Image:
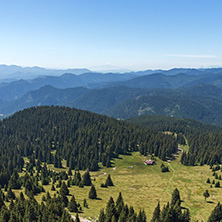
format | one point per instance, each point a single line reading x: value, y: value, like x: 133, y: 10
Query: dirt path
x: 172, y: 169
x: 102, y: 174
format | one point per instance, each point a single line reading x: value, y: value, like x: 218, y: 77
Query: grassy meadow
x: 143, y: 186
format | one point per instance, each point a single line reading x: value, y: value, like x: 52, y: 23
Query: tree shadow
x: 184, y: 208
x: 210, y: 202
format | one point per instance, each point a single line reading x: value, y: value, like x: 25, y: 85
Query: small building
x: 149, y: 162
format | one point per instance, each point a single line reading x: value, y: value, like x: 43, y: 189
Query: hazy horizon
x: 119, y: 35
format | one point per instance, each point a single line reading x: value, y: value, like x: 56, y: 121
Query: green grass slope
x: 143, y: 186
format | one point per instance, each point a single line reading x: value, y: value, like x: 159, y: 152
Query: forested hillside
x: 201, y: 102
x: 205, y: 143
x: 83, y: 139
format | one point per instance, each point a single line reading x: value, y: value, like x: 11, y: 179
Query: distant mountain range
x: 16, y: 89
x: 13, y: 72
x: 183, y: 93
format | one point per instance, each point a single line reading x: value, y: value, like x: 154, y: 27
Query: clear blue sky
x: 117, y: 34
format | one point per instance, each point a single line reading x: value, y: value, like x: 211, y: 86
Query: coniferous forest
x: 205, y: 141
x: 33, y: 138
x: 82, y: 138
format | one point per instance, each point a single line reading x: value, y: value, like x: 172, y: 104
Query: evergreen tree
x: 70, y: 172
x: 72, y: 206
x: 65, y: 217
x: 85, y: 204
x: 119, y: 203
x: 2, y: 203
x: 48, y: 197
x: 102, y: 216
x: 11, y: 205
x: 92, y: 192
x: 175, y: 197
x: 53, y: 188
x: 156, y: 214
x: 119, y: 200
x: 186, y: 216
x: 206, y: 194
x: 217, y: 184
x: 216, y: 214
x: 164, y: 168
x: 86, y: 179
x: 108, y: 163
x: 10, y: 194
x: 22, y: 198
x: 109, y: 181
x: 77, y: 218
x: 64, y: 191
x: 14, y: 180
x: 77, y: 178
x: 110, y: 210
x: 64, y: 200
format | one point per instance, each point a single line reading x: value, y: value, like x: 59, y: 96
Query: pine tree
x: 110, y: 210
x: 86, y: 179
x: 64, y: 200
x: 217, y: 184
x: 53, y: 188
x: 22, y: 198
x: 186, y: 216
x: 70, y: 172
x: 206, y: 194
x: 208, y: 180
x: 92, y: 192
x: 10, y: 194
x: 77, y: 218
x: 64, y: 189
x: 109, y: 181
x: 119, y: 204
x: 124, y: 214
x: 102, y: 216
x: 65, y: 216
x: 108, y: 163
x: 72, y: 206
x: 175, y: 197
x: 11, y: 205
x: 216, y: 214
x: 48, y: 197
x: 2, y: 203
x: 119, y: 200
x: 13, y: 182
x: 85, y: 204
x: 156, y: 214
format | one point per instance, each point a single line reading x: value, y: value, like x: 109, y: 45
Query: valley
x: 143, y: 186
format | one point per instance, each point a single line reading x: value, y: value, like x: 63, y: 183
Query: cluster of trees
x: 204, y: 148
x: 216, y: 214
x: 83, y: 139
x: 172, y: 211
x: 120, y: 211
x: 164, y: 168
x: 22, y: 210
x: 205, y: 141
x: 108, y: 183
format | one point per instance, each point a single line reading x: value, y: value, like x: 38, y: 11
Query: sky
x: 111, y: 35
